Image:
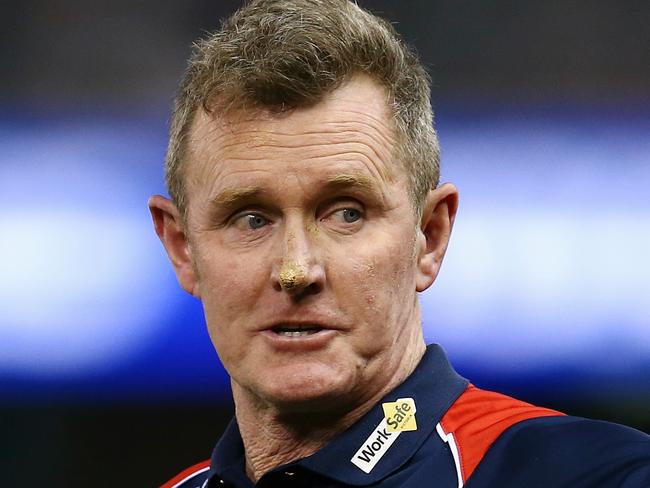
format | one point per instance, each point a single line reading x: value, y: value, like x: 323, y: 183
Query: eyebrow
x: 233, y: 197
x: 349, y: 179
x: 353, y: 181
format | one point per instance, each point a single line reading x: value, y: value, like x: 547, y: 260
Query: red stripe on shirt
x: 186, y: 474
x: 478, y: 417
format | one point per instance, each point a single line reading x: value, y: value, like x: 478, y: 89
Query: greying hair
x: 276, y: 55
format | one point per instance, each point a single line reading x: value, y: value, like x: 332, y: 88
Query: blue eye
x: 351, y: 215
x: 256, y: 221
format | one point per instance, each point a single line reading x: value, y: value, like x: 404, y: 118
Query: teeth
x: 296, y: 333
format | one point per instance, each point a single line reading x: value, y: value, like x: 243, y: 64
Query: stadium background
x: 107, y: 376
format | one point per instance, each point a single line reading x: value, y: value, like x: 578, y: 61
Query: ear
x: 437, y: 221
x: 171, y: 231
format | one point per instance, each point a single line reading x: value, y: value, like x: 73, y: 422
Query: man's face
x: 305, y: 248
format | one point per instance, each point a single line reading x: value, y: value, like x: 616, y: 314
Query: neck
x: 271, y: 439
x: 276, y: 435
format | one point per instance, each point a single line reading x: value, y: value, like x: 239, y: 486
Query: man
x: 306, y: 215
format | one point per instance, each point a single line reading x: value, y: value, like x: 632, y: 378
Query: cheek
x: 379, y: 280
x: 365, y: 275
x: 229, y: 286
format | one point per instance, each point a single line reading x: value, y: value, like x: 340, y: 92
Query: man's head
x: 277, y: 55
x: 299, y: 220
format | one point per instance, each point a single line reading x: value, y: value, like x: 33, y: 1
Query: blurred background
x: 107, y: 374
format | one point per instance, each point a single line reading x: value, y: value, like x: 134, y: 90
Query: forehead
x: 351, y: 131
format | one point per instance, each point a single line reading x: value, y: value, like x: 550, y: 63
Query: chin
x: 306, y: 390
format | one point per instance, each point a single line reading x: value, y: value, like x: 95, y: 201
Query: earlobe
x: 437, y: 221
x: 170, y: 229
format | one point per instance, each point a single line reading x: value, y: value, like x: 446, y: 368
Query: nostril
x: 312, y: 289
x: 302, y: 293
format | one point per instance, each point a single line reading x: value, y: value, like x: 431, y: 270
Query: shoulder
x: 549, y: 450
x: 501, y: 441
x: 192, y: 477
x: 477, y: 419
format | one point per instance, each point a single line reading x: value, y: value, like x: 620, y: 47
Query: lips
x: 299, y: 336
x: 297, y: 330
x: 305, y: 328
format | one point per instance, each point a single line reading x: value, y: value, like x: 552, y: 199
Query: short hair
x: 276, y: 55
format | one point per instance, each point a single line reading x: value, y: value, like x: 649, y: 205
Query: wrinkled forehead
x: 354, y: 119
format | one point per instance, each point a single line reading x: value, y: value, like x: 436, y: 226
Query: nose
x: 299, y: 271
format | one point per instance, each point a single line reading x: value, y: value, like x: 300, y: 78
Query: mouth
x: 297, y: 330
x: 299, y: 337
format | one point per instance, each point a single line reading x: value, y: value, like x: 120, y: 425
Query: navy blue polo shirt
x: 464, y: 436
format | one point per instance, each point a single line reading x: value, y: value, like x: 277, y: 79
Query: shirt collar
x: 433, y: 386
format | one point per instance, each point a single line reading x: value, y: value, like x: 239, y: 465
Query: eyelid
x: 236, y: 216
x: 342, y: 204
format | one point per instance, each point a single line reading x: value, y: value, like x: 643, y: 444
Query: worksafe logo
x: 399, y: 417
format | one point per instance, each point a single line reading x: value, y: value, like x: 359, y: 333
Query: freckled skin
x: 312, y: 223
x: 367, y: 272
x: 315, y: 200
